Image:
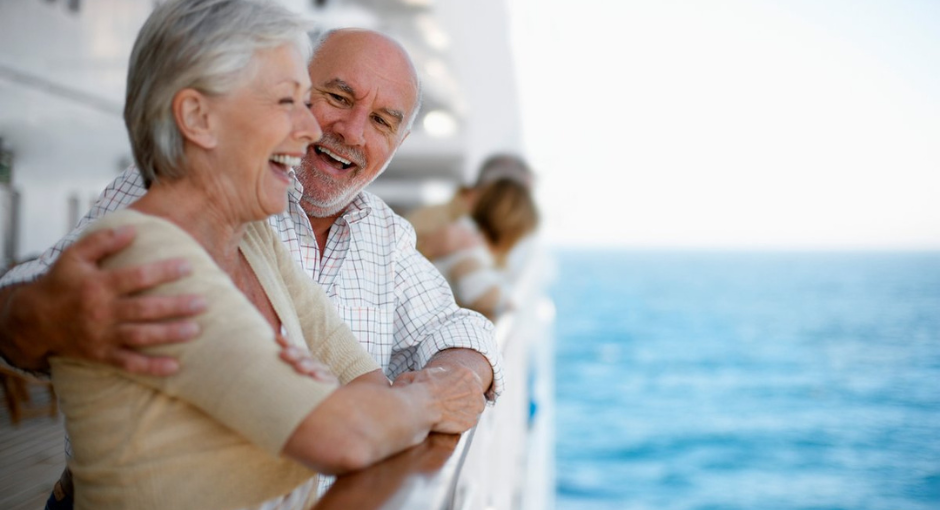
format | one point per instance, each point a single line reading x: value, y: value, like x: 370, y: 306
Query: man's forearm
x: 467, y: 358
x: 16, y: 346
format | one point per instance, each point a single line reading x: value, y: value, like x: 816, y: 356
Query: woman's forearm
x: 362, y: 423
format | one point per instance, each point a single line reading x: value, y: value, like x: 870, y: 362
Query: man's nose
x: 352, y: 125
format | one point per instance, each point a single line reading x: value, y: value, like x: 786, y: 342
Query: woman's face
x: 264, y: 126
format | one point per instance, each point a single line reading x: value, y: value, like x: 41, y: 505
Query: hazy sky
x: 755, y: 124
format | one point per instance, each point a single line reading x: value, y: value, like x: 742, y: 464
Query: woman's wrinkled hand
x: 457, y: 394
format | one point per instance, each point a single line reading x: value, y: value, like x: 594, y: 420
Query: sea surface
x: 760, y: 381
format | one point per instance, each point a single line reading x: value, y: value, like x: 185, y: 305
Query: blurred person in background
x: 503, y: 213
x: 365, y: 97
x: 444, y: 230
x: 439, y: 233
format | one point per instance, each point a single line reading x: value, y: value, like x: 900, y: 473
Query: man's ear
x: 191, y: 112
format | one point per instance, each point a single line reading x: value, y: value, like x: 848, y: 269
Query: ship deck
x: 32, y: 455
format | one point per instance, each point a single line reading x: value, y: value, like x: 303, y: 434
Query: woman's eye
x: 286, y: 100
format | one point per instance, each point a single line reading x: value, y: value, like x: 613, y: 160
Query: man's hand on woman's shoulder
x: 81, y: 310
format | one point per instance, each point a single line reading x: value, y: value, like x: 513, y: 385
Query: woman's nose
x: 306, y: 125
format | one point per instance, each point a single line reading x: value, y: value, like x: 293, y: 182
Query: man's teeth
x: 284, y: 159
x: 334, y: 156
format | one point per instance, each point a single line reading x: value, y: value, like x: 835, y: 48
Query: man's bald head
x: 356, y: 42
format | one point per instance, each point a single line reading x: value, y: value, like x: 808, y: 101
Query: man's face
x: 364, y: 91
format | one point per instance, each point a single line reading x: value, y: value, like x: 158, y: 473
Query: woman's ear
x: 191, y: 113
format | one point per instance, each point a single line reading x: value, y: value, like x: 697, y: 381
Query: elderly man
x: 365, y: 97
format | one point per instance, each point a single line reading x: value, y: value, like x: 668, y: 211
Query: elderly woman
x: 217, y: 114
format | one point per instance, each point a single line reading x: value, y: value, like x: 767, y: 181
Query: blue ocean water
x: 725, y: 381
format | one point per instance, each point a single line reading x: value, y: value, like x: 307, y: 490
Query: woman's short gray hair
x: 200, y: 44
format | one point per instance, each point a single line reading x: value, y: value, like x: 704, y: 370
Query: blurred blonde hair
x: 505, y: 212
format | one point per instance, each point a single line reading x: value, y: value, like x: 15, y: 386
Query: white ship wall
x: 62, y: 74
x: 61, y: 87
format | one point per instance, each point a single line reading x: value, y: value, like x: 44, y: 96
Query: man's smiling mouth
x: 340, y: 161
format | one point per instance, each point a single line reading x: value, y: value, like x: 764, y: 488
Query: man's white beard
x: 322, y: 207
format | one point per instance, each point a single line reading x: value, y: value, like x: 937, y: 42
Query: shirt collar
x: 358, y: 210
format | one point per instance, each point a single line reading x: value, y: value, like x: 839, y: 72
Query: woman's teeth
x: 286, y: 160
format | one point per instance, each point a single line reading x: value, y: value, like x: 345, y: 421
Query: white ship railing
x: 506, y: 461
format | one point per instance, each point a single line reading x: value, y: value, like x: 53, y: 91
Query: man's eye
x: 338, y: 98
x: 286, y: 100
x: 381, y: 121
